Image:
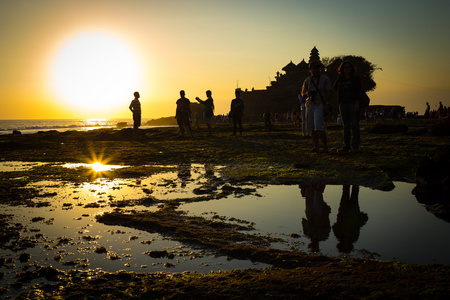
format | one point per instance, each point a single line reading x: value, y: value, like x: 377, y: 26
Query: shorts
x: 314, y: 118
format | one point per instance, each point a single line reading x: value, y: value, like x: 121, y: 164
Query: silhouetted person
x: 316, y: 225
x: 267, y: 121
x: 183, y: 114
x: 184, y: 173
x: 348, y: 87
x: 135, y: 107
x: 317, y: 89
x: 349, y: 219
x: 305, y: 131
x: 208, y: 113
x: 440, y: 111
x: 237, y: 111
x: 296, y: 118
x: 427, y: 111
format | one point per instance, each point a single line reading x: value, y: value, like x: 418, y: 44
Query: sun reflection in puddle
x: 96, y: 166
x: 69, y: 233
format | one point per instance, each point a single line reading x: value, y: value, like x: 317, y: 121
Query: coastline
x: 31, y: 126
x: 279, y: 157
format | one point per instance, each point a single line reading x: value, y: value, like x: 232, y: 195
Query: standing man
x: 135, y: 108
x: 237, y: 111
x: 317, y: 88
x: 427, y: 111
x: 183, y: 114
x: 208, y: 113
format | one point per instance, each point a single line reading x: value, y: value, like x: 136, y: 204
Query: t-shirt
x: 183, y: 105
x: 324, y: 85
x: 349, y: 90
x: 135, y: 106
x: 237, y: 107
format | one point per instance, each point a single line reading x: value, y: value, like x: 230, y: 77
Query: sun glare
x: 99, y: 167
x: 95, y: 72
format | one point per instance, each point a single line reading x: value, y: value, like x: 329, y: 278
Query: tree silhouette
x: 364, y: 70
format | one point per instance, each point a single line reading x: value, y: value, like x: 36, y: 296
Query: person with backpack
x: 348, y: 86
x: 317, y: 90
x: 237, y: 111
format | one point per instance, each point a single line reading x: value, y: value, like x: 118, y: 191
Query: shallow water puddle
x: 333, y: 220
x: 62, y: 231
x: 341, y: 220
x: 12, y: 166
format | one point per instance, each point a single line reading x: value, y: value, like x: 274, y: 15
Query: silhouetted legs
x: 237, y: 121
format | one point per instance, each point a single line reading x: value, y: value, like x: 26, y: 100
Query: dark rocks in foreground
x: 433, y: 182
x: 442, y: 128
x: 389, y: 128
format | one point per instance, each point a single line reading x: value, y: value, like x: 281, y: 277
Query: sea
x: 33, y: 126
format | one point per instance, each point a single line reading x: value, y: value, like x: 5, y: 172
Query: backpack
x: 364, y: 100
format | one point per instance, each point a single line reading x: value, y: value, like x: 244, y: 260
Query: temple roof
x: 302, y: 65
x: 290, y: 67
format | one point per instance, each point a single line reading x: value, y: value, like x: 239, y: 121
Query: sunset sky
x: 85, y: 58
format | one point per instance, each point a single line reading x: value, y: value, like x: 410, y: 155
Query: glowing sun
x: 95, y: 72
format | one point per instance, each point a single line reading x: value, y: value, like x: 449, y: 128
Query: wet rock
x: 101, y: 249
x: 389, y: 128
x: 159, y: 254
x: 24, y: 257
x: 442, y: 128
x: 49, y: 273
x: 433, y: 181
x: 15, y: 132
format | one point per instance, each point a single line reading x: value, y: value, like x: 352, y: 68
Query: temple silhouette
x: 281, y: 95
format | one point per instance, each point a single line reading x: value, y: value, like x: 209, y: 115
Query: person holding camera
x: 317, y: 90
x: 209, y: 110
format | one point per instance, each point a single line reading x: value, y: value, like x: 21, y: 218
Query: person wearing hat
x: 317, y: 90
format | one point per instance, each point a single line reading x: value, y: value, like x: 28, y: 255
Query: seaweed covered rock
x: 433, y: 181
x: 389, y: 128
x: 441, y: 128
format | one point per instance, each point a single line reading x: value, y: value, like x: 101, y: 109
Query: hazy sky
x: 85, y: 58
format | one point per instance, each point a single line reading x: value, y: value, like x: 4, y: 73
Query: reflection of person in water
x: 316, y: 225
x: 209, y: 171
x: 349, y: 219
x: 184, y: 173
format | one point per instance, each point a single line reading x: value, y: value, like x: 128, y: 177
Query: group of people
x: 183, y: 112
x: 316, y: 92
x: 440, y: 113
x: 314, y: 97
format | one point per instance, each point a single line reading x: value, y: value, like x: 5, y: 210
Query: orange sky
x: 160, y: 47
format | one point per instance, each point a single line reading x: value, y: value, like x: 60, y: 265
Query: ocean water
x: 33, y: 126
